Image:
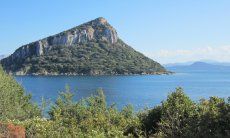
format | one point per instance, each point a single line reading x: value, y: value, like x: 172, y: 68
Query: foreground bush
x: 14, y: 104
x: 179, y: 116
x: 214, y: 118
x: 88, y: 117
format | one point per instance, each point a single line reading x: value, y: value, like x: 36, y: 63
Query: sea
x: 141, y: 91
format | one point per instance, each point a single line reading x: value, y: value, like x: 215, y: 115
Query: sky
x: 167, y: 31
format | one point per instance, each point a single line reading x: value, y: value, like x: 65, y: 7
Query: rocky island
x: 92, y: 48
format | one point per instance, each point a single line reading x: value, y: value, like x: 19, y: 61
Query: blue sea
x: 139, y: 90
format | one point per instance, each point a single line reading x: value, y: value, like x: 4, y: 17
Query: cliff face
x: 96, y: 30
x: 91, y: 48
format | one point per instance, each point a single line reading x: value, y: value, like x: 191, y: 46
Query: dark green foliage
x: 149, y: 120
x: 178, y: 113
x: 178, y: 116
x: 14, y: 104
x: 214, y: 118
x: 93, y: 58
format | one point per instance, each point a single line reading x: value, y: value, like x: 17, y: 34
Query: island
x: 92, y: 48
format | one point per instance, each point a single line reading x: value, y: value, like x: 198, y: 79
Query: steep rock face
x: 96, y: 30
x: 92, y: 48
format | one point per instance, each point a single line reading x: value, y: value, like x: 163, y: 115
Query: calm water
x: 141, y: 91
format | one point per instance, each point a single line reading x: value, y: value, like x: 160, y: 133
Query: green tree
x: 178, y: 116
x: 150, y: 119
x: 214, y: 118
x: 14, y: 104
x: 93, y: 115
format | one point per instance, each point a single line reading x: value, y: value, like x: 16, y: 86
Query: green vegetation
x: 86, y: 118
x: 93, y: 58
x: 177, y: 116
x: 14, y: 104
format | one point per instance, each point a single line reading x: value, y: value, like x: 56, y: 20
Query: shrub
x: 88, y: 117
x: 178, y: 116
x: 178, y: 113
x: 14, y: 103
x: 214, y: 118
x: 150, y: 119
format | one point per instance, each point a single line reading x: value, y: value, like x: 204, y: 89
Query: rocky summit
x: 92, y: 48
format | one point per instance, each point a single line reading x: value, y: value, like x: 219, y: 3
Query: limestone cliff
x: 96, y: 30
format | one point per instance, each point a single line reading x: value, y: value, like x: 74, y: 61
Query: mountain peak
x: 100, y: 20
x: 96, y: 30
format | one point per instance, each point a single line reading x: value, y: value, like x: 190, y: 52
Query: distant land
x: 212, y: 62
x: 198, y: 66
x: 92, y: 48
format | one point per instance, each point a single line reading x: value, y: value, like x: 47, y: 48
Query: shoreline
x: 53, y: 74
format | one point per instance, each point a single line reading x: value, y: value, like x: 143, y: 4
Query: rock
x: 80, y: 34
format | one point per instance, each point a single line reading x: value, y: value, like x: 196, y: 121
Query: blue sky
x: 165, y: 30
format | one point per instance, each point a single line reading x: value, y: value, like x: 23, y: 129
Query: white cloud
x: 221, y: 54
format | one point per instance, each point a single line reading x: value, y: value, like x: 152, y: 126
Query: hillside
x: 92, y: 48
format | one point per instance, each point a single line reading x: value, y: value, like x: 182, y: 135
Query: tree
x: 178, y: 116
x: 214, y: 118
x: 150, y: 119
x: 93, y: 115
x: 14, y: 103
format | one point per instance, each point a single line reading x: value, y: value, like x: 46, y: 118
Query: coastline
x: 73, y: 74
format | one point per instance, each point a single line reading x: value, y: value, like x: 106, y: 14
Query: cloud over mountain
x: 221, y: 53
